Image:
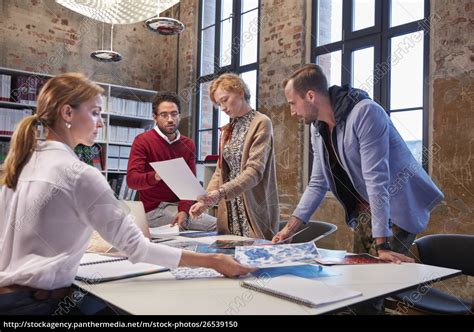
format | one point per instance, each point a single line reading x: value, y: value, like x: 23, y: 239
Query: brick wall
x: 43, y: 36
x: 170, y: 61
x: 282, y: 45
x: 451, y: 83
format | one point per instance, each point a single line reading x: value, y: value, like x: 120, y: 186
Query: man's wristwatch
x: 384, y: 246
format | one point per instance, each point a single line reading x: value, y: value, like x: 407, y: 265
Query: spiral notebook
x: 95, y: 268
x: 310, y: 292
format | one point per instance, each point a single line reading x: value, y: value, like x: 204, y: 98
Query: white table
x: 161, y: 294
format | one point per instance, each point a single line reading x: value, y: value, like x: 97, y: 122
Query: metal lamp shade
x: 164, y: 25
x: 106, y: 56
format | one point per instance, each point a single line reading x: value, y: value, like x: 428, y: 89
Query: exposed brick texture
x: 43, y: 36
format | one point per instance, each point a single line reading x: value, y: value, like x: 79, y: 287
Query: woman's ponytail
x: 22, y: 145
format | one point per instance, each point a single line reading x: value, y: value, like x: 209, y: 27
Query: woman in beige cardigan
x: 244, y: 184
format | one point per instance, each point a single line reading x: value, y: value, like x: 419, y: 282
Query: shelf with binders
x: 9, y: 118
x: 126, y: 113
x: 118, y: 183
x: 117, y: 158
x: 131, y: 104
x: 129, y: 115
x: 19, y: 88
x: 15, y: 105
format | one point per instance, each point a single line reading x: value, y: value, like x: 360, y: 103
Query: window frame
x: 234, y: 66
x: 379, y: 35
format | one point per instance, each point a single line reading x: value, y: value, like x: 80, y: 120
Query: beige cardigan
x: 256, y: 182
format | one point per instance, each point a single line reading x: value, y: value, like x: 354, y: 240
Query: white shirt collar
x: 54, y: 145
x: 178, y: 135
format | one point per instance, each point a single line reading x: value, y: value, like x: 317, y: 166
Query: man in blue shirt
x: 359, y: 155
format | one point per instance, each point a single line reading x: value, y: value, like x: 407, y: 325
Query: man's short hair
x: 308, y: 77
x: 170, y: 97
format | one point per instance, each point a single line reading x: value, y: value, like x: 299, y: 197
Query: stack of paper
x: 165, y: 230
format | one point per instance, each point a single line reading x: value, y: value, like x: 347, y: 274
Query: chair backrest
x: 448, y: 250
x: 138, y: 211
x: 317, y: 230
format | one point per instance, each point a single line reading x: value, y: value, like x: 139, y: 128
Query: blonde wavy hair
x: 230, y: 82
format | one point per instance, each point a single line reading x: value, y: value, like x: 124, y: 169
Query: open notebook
x: 309, y: 292
x: 95, y: 268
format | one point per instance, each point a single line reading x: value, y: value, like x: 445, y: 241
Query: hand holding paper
x: 157, y: 177
x: 197, y: 209
x: 211, y: 198
x: 179, y: 178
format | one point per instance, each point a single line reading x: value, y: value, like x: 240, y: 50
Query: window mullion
x: 346, y: 54
x: 346, y: 19
x: 215, y: 130
x: 426, y: 65
x: 217, y: 39
x: 386, y: 49
x: 235, y: 56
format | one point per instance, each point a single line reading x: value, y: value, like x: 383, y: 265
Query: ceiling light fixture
x: 118, y: 11
x: 164, y: 25
x: 107, y: 55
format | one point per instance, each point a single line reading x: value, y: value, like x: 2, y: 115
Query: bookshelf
x: 127, y: 112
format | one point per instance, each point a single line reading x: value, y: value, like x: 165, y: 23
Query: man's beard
x: 169, y: 131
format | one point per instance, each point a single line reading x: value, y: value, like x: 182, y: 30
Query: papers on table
x: 231, y: 244
x: 179, y: 178
x: 277, y: 255
x: 165, y: 230
x: 185, y: 245
x: 193, y: 234
x: 182, y: 273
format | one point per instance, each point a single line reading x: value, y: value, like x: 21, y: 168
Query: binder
x: 309, y: 292
x: 95, y: 268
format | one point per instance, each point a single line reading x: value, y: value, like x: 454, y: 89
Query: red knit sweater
x: 150, y: 147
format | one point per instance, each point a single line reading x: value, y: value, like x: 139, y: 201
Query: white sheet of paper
x: 179, y: 178
x: 165, y: 230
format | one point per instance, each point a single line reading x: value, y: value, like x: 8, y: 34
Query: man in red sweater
x: 163, y: 142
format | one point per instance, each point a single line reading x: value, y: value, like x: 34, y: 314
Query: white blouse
x: 46, y: 223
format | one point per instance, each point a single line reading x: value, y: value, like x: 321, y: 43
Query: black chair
x: 445, y: 250
x: 317, y: 230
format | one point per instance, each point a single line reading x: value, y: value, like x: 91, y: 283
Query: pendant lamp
x: 107, y: 55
